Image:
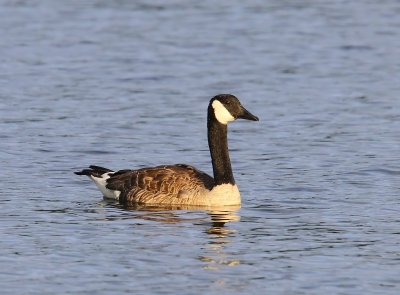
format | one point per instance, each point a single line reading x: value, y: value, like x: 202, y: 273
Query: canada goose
x: 182, y: 184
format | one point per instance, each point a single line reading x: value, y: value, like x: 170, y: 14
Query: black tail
x: 93, y: 170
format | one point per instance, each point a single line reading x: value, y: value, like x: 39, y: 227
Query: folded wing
x: 171, y: 184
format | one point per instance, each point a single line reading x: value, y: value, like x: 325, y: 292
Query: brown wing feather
x: 161, y: 184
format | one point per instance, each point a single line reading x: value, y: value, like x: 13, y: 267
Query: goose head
x: 227, y: 108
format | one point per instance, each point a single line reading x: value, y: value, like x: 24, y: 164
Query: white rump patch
x: 101, y: 183
x: 221, y: 113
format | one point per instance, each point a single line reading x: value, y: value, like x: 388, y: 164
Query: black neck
x: 218, y: 143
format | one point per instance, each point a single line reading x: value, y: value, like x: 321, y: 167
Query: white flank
x: 101, y: 183
x: 221, y: 113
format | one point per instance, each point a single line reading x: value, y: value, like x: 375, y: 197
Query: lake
x: 126, y: 84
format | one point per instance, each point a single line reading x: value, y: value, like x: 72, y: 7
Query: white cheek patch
x: 221, y: 113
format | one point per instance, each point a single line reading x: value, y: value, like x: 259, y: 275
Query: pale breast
x: 224, y: 195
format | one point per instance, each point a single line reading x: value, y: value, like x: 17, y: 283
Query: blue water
x: 125, y: 84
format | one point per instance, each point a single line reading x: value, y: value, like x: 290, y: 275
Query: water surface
x: 126, y: 84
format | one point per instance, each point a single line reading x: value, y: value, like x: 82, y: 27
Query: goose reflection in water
x: 214, y: 255
x: 174, y: 214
